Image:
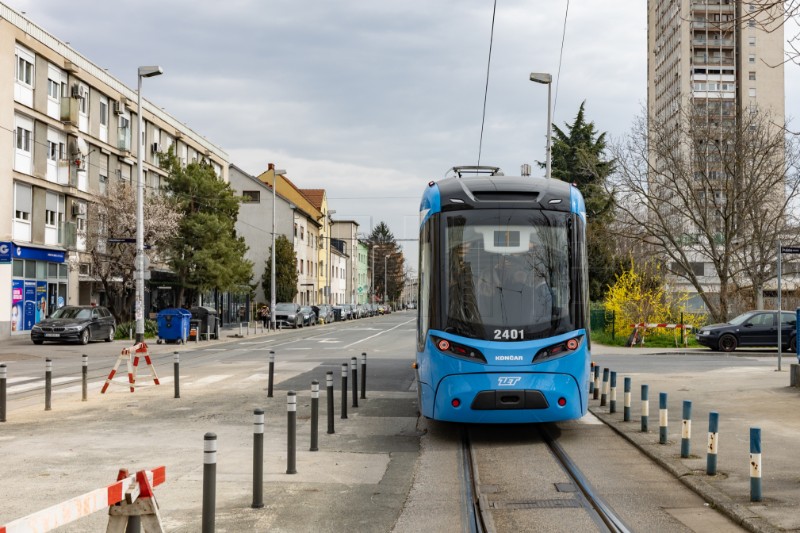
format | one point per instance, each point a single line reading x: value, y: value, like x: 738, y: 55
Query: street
x: 383, y: 469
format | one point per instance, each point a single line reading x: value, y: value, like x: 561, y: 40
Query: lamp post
x: 143, y: 72
x: 385, y: 279
x: 330, y: 257
x: 294, y: 240
x: 275, y: 173
x: 546, y: 79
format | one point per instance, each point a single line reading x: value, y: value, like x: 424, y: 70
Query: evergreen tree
x: 577, y: 157
x: 388, y: 263
x: 206, y: 254
x: 285, y: 272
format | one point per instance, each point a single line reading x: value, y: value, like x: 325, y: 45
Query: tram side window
x: 426, y: 273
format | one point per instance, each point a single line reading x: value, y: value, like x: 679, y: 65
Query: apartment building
x: 254, y: 223
x: 363, y: 288
x: 307, y: 222
x: 69, y: 128
x: 345, y: 233
x: 721, y: 59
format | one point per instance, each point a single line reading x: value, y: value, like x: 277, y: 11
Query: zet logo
x: 508, y: 381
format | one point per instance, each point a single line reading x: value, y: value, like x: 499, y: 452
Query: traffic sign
x: 127, y: 240
x: 790, y: 249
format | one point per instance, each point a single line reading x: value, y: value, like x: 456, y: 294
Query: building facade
x: 711, y: 61
x: 69, y: 128
x: 346, y: 231
x: 254, y: 223
x: 362, y: 274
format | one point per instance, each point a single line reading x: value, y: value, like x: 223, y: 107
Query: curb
x: 736, y: 512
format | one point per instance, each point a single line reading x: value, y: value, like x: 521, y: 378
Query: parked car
x: 288, y: 315
x: 339, y: 313
x: 76, y: 323
x: 309, y: 317
x: 753, y: 328
x: 324, y: 313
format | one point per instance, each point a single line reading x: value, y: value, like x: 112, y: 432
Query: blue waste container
x: 173, y: 325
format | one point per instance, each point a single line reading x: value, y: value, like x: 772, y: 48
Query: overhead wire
x: 486, y: 88
x: 560, y: 58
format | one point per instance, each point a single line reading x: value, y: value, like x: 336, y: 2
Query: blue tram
x: 502, y: 323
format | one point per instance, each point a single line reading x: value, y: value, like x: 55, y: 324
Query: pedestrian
x: 263, y: 313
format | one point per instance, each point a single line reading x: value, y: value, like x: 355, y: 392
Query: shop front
x: 39, y: 284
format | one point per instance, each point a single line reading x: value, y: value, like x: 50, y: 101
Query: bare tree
x: 113, y: 216
x: 702, y: 189
x: 771, y: 15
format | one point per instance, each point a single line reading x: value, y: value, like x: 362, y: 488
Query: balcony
x: 712, y: 43
x: 712, y: 61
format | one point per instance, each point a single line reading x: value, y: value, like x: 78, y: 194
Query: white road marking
x: 208, y: 380
x: 379, y: 333
x: 40, y: 384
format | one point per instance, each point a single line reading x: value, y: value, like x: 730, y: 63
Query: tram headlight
x: 558, y: 350
x: 458, y: 350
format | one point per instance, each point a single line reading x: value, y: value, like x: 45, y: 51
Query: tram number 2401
x: 509, y: 334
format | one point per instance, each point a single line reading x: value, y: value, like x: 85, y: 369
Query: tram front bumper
x: 509, y: 398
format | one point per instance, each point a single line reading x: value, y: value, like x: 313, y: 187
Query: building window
x: 23, y: 139
x: 251, y: 197
x: 751, y: 23
x: 751, y: 41
x: 751, y: 58
x: 103, y: 184
x: 23, y: 155
x: 104, y: 112
x: 24, y: 67
x: 53, y: 89
x: 751, y: 76
x: 752, y: 92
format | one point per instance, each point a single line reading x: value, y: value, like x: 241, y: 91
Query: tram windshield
x: 508, y: 274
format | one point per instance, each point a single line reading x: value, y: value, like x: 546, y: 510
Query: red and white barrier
x: 133, y: 366
x: 650, y: 325
x: 133, y: 487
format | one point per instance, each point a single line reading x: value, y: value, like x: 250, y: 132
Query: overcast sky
x: 371, y: 99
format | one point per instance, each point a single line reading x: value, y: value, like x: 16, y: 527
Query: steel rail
x: 595, y: 504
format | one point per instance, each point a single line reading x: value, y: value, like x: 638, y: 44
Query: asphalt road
x: 383, y: 469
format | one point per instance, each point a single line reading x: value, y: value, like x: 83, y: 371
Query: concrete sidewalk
x: 751, y: 393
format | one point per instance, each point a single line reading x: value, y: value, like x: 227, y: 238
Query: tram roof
x: 505, y: 191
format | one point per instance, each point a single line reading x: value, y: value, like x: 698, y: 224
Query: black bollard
x: 176, y: 370
x: 596, y: 382
x: 291, y: 437
x: 258, y: 459
x: 314, y: 415
x: 48, y: 384
x: 209, y: 482
x: 271, y: 373
x: 84, y: 377
x: 354, y: 372
x: 363, y: 375
x: 344, y: 390
x: 329, y: 384
x: 3, y: 380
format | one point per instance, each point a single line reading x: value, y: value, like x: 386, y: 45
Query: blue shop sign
x: 5, y: 252
x: 39, y: 254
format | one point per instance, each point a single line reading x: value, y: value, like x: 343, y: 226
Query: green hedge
x: 124, y: 329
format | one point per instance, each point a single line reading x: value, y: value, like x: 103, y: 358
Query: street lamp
x: 330, y: 257
x: 547, y: 79
x: 144, y: 72
x: 385, y: 279
x: 275, y: 174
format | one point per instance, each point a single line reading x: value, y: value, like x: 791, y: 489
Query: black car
x: 76, y: 323
x: 754, y: 328
x: 288, y: 315
x: 309, y: 317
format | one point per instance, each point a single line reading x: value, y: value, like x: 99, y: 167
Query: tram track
x: 478, y: 508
